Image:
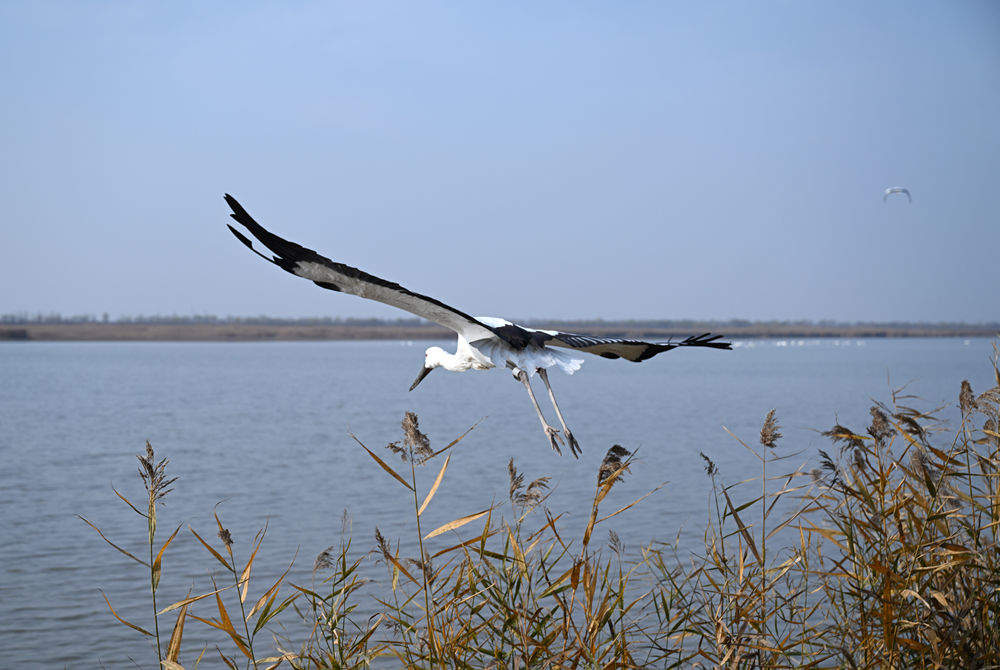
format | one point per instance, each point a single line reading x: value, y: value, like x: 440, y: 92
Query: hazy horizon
x: 404, y: 320
x: 564, y: 160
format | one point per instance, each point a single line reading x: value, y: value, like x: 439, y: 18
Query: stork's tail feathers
x: 704, y: 340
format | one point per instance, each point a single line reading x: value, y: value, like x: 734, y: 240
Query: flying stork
x: 896, y: 189
x: 483, y: 342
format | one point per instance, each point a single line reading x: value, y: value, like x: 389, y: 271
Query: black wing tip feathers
x: 703, y: 340
x: 241, y: 237
x: 706, y: 340
x: 241, y: 217
x: 234, y: 205
x: 239, y: 214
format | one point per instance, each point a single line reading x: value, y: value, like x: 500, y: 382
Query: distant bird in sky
x: 896, y: 189
x: 484, y: 342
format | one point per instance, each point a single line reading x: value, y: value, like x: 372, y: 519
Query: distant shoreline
x: 290, y: 332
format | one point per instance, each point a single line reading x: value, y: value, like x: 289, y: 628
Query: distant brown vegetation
x: 886, y: 554
x: 257, y: 330
x: 221, y: 332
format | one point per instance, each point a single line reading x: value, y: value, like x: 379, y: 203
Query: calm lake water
x: 263, y: 427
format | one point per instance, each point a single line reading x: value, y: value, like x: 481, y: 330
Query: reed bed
x: 883, y: 553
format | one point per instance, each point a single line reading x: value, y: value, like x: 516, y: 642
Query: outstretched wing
x: 334, y: 276
x: 632, y: 350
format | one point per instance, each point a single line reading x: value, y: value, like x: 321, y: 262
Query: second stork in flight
x: 483, y: 342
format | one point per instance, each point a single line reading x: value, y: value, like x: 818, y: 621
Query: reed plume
x: 966, y: 398
x: 613, y: 467
x: 770, y: 432
x: 529, y: 496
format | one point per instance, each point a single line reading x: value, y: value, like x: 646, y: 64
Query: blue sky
x: 646, y: 160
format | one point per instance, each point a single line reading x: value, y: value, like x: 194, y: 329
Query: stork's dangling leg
x: 550, y: 432
x: 574, y: 446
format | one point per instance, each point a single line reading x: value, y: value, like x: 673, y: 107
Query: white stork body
x: 530, y: 358
x: 483, y: 342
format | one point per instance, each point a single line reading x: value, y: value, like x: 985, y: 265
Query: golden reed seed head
x: 525, y: 496
x: 383, y: 545
x: 398, y: 450
x: 534, y: 493
x: 880, y: 428
x: 516, y: 480
x: 153, y: 474
x: 770, y: 432
x: 413, y: 440
x: 844, y: 436
x: 613, y: 464
x: 711, y: 469
x: 615, y: 543
x: 966, y: 398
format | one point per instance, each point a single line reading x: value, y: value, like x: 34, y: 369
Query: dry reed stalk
x: 154, y: 478
x: 157, y: 486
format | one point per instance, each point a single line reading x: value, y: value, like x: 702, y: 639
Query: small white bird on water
x: 484, y: 342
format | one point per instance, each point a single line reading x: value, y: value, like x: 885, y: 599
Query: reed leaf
x: 174, y: 646
x: 231, y: 664
x: 129, y: 503
x: 385, y: 466
x: 245, y: 575
x: 457, y: 439
x: 457, y: 523
x: 157, y: 563
x: 226, y: 625
x: 434, y: 487
x: 192, y: 599
x: 104, y: 537
x: 127, y: 623
x: 212, y: 551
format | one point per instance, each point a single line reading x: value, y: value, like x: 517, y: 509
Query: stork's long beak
x: 423, y: 373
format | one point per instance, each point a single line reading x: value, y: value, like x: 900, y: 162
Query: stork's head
x: 433, y: 358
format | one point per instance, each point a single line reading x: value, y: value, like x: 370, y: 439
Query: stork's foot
x: 554, y: 439
x: 574, y: 446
